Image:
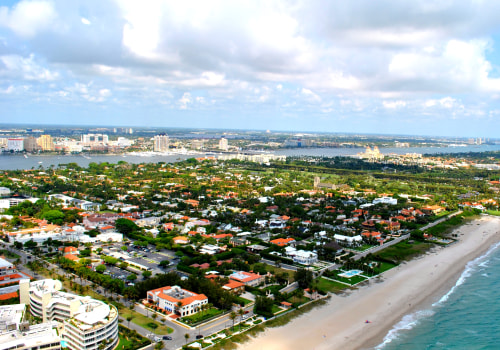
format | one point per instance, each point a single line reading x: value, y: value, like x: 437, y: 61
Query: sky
x: 419, y: 67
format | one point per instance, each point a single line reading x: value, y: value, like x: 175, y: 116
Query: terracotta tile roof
x: 8, y: 296
x: 282, y: 241
x: 233, y: 284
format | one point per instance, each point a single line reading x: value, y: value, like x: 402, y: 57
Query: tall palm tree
x: 241, y: 313
x: 186, y: 336
x: 129, y: 318
x: 232, y: 316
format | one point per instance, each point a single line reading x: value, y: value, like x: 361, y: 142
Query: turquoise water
x: 350, y: 273
x: 467, y: 317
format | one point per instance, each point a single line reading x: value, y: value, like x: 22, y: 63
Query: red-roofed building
x: 247, y: 278
x: 69, y: 250
x: 234, y: 287
x: 372, y: 234
x: 282, y: 241
x: 71, y: 257
x: 9, y: 295
x: 175, y: 299
x: 286, y: 304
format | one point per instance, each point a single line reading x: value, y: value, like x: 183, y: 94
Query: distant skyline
x: 361, y: 66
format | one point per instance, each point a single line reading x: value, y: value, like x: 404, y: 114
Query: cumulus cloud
x: 27, y: 18
x: 333, y: 57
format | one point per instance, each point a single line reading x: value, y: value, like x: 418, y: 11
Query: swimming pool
x: 350, y: 273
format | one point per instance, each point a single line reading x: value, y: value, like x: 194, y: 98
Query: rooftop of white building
x: 90, y: 311
x: 32, y: 337
x: 11, y: 315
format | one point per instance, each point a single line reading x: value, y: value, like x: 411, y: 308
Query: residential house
x: 247, y: 278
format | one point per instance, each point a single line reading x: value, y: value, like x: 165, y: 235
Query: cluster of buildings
x: 68, y: 320
x: 46, y: 143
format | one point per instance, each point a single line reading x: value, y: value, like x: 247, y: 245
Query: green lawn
x: 243, y: 301
x: 403, y: 251
x: 299, y: 300
x: 331, y: 286
x: 130, y: 339
x: 8, y: 254
x: 200, y: 316
x: 276, y: 309
x: 384, y: 266
x: 363, y: 247
x: 493, y: 212
x: 352, y: 281
x: 123, y: 343
x: 146, y: 322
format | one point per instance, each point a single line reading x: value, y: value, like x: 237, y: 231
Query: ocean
x: 467, y: 317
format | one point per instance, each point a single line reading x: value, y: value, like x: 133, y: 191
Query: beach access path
x: 415, y: 285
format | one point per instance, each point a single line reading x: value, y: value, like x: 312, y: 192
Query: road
x: 396, y: 240
x: 208, y: 328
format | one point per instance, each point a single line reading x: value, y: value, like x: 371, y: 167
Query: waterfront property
x: 302, y: 256
x: 350, y: 273
x: 87, y: 324
x: 175, y: 299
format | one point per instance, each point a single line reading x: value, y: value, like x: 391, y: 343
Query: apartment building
x: 87, y: 324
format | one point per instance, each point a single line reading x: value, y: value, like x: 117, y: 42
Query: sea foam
x: 411, y: 320
x: 407, y: 322
x: 469, y: 268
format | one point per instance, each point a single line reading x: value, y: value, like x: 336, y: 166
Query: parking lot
x: 139, y: 260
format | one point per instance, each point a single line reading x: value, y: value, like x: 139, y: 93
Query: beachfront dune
x: 415, y: 285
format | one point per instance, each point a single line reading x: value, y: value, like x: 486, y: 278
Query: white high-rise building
x: 161, y: 143
x: 223, y: 144
x: 95, y: 139
x: 15, y: 145
x: 87, y: 324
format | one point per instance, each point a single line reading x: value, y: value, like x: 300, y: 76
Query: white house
x: 385, y: 200
x: 348, y: 240
x: 301, y: 256
x: 178, y: 300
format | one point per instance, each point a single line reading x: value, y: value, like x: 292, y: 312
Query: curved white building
x: 87, y: 322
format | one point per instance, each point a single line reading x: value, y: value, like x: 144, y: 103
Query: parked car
x: 167, y: 337
x: 199, y: 336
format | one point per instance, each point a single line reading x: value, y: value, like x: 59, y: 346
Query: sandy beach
x: 412, y: 286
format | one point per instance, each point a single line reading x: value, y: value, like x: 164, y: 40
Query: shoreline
x: 410, y: 287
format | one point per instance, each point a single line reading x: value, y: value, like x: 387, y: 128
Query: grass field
x: 243, y: 300
x: 276, y: 309
x: 145, y: 322
x: 200, y: 316
x: 403, y: 251
x: 493, y: 212
x: 331, y: 286
x: 352, y: 281
x: 9, y: 254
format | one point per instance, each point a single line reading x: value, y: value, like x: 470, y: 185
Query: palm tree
x: 186, y: 336
x: 241, y: 313
x: 129, y: 318
x: 232, y: 316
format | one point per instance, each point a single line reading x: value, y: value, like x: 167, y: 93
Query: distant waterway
x: 339, y: 152
x: 15, y: 162
x: 19, y: 162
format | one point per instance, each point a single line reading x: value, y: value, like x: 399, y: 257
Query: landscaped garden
x: 147, y: 322
x: 327, y: 285
x: 201, y: 316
